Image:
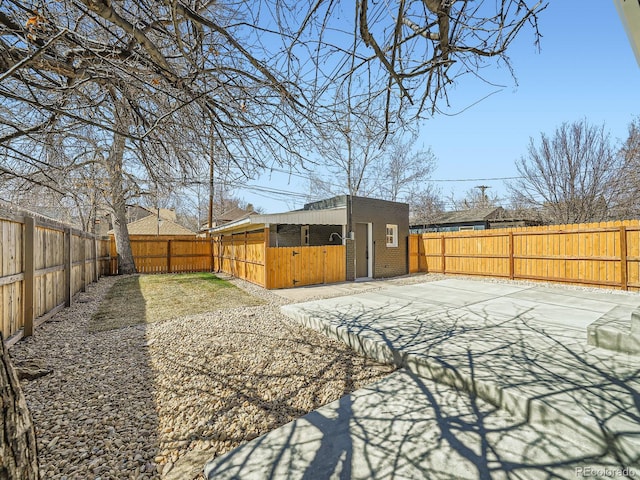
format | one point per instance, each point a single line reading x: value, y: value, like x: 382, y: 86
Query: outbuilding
x: 338, y: 239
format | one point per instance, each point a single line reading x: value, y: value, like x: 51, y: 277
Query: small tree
x: 406, y: 171
x: 476, y: 197
x: 573, y: 176
x: 425, y: 206
x: 629, y: 154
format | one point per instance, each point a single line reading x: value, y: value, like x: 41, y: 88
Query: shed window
x: 465, y: 229
x: 392, y: 235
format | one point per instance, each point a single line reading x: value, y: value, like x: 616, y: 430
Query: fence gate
x: 298, y: 266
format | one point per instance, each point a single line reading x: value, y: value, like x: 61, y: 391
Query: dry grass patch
x: 140, y: 299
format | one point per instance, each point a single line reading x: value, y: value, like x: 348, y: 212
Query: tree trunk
x: 18, y: 452
x: 114, y: 168
x: 126, y: 264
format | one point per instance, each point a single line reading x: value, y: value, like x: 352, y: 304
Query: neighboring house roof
x: 136, y: 212
x: 469, y: 216
x: 233, y: 214
x: 149, y: 225
x: 492, y: 217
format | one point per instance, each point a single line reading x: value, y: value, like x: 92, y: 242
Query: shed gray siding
x: 387, y: 261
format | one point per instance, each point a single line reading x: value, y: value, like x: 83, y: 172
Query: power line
x: 473, y: 179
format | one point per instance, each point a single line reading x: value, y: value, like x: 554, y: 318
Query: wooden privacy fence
x: 603, y: 254
x: 242, y: 255
x: 167, y: 254
x: 247, y: 256
x: 43, y: 265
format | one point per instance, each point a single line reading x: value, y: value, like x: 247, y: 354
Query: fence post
x: 245, y: 256
x: 113, y: 256
x: 267, y: 280
x: 168, y: 256
x: 623, y: 258
x: 211, y: 260
x: 29, y: 274
x: 83, y: 255
x: 511, y: 260
x: 444, y: 256
x: 68, y: 267
x: 233, y: 256
x: 96, y: 273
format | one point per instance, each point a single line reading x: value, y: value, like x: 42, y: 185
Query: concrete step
x: 635, y: 322
x: 618, y: 332
x: 613, y: 338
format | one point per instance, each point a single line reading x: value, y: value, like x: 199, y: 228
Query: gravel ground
x: 135, y: 402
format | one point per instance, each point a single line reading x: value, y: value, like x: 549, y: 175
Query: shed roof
x: 331, y: 216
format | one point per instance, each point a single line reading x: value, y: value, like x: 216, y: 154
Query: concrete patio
x: 497, y: 380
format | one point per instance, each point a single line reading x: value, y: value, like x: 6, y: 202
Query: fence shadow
x: 95, y: 415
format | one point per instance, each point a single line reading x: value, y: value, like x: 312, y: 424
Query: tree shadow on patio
x: 531, y: 400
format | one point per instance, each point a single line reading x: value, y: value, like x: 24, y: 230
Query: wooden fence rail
x: 43, y: 265
x: 601, y: 254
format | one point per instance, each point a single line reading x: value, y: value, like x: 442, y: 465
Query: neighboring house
x: 374, y: 232
x: 152, y: 225
x: 232, y: 215
x: 103, y: 225
x: 472, y: 219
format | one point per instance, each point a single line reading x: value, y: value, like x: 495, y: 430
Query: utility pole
x: 483, y: 196
x: 157, y: 211
x: 211, y: 155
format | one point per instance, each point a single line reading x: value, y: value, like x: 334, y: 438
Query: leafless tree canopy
x: 247, y: 65
x: 128, y: 94
x: 629, y: 179
x: 479, y: 196
x: 410, y: 53
x: 75, y: 61
x: 574, y: 176
x: 139, y: 88
x: 358, y: 164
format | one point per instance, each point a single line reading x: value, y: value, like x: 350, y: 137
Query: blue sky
x: 586, y: 69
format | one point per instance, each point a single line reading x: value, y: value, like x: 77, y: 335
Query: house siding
x: 350, y: 258
x: 387, y: 261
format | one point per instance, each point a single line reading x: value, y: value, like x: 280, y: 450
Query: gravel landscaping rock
x: 142, y: 402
